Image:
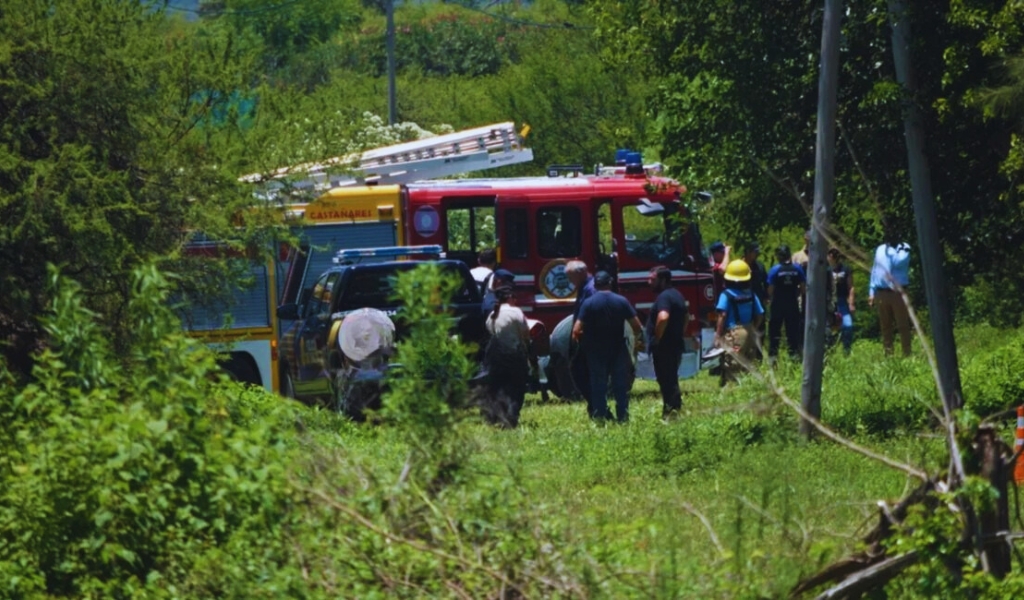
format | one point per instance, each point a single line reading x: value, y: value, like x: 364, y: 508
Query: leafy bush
x: 116, y: 470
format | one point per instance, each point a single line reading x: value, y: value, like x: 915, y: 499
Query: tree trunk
x: 824, y: 191
x: 939, y: 313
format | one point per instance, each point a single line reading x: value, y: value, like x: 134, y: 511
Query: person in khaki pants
x: 739, y: 316
x: 890, y: 274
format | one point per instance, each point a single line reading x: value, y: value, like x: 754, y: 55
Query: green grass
x: 628, y: 495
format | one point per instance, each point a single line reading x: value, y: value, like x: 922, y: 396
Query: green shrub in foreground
x: 116, y: 470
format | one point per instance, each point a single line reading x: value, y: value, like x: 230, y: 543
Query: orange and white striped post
x: 1018, y: 444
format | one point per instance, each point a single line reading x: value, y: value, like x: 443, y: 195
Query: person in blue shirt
x: 600, y: 329
x: 740, y: 313
x: 786, y: 283
x: 890, y: 275
x: 576, y: 272
x: 844, y: 292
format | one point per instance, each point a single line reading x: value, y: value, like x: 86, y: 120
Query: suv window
x: 558, y: 232
x: 375, y: 287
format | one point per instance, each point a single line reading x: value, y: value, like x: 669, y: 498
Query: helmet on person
x: 737, y: 270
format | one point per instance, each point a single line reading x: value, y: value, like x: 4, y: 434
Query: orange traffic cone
x: 1018, y: 444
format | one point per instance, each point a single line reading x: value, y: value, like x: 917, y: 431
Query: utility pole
x: 390, y: 43
x: 824, y: 193
x: 927, y: 223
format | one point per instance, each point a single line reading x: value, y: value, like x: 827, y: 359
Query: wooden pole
x: 939, y: 313
x: 824, y: 193
x: 390, y: 44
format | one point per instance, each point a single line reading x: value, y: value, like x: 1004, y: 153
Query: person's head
x: 737, y: 274
x: 502, y: 295
x: 717, y: 251
x: 502, y: 277
x: 783, y: 254
x: 660, y: 278
x: 833, y: 256
x: 576, y: 271
x: 488, y: 257
x: 751, y: 251
x: 603, y: 280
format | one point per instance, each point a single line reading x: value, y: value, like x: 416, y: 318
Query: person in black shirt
x: 843, y: 292
x: 758, y: 282
x: 786, y: 283
x: 601, y: 329
x: 666, y: 326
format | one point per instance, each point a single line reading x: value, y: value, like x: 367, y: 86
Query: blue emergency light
x: 387, y: 252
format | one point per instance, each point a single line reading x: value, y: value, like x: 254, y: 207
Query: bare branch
x: 873, y: 576
x: 707, y: 525
x: 780, y: 393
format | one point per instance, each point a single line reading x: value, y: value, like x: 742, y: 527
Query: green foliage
x: 431, y: 386
x: 117, y: 469
x: 733, y: 94
x: 108, y: 150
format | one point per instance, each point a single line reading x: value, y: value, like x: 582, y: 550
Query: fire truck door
x: 513, y: 233
x: 312, y: 351
x: 469, y: 227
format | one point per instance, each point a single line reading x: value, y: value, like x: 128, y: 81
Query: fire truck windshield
x: 653, y: 233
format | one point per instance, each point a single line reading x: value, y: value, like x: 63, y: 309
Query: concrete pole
x: 390, y: 43
x: 824, y: 193
x: 939, y: 313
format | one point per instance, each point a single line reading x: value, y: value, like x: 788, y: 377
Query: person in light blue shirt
x: 890, y: 274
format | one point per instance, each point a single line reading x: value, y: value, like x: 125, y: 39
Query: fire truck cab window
x: 470, y: 229
x: 320, y: 301
x: 514, y: 237
x: 652, y: 233
x: 558, y: 232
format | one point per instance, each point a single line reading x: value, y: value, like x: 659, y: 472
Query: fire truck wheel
x: 241, y: 368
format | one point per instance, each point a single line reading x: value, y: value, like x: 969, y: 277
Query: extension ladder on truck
x: 475, y: 149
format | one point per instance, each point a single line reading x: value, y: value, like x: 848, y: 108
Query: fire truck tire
x: 241, y: 368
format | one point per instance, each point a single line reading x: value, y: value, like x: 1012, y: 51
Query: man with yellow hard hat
x: 739, y: 316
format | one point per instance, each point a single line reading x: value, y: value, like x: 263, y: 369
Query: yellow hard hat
x: 738, y: 270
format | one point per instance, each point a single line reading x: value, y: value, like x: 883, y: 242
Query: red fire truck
x: 623, y: 223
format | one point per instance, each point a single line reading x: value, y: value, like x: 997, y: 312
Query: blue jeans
x: 602, y: 362
x: 846, y: 325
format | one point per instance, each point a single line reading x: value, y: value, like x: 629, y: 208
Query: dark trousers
x: 580, y: 373
x: 791, y: 318
x: 666, y: 371
x: 508, y: 370
x: 602, y: 363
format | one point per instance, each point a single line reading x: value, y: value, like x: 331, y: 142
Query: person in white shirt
x: 890, y: 275
x: 487, y: 261
x: 507, y: 360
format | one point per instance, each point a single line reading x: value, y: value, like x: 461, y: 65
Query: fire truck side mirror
x: 288, y: 312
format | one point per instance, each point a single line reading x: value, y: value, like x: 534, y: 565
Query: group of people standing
x: 600, y: 318
x: 600, y: 321
x: 746, y: 292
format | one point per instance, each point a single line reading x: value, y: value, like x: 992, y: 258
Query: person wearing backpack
x: 740, y: 313
x: 786, y: 283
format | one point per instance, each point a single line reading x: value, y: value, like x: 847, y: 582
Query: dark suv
x: 311, y: 358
